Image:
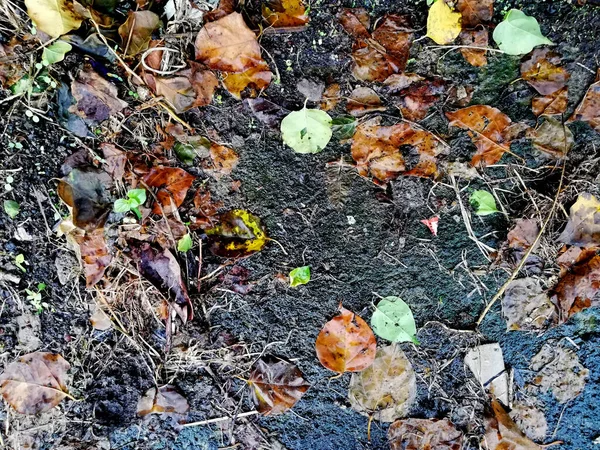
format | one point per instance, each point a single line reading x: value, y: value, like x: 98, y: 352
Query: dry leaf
x: 589, y: 108
x: 583, y: 227
x: 284, y: 13
x: 552, y: 104
x: 331, y: 97
x: 204, y: 83
x: 172, y: 184
x: 225, y: 8
x: 530, y: 420
x: 165, y: 401
x: 387, y: 388
x: 267, y: 112
x: 417, y: 97
x: 177, y: 91
x: 96, y: 98
x: 254, y: 79
x: 346, y: 343
x: 552, y: 138
x: 542, y: 71
x: 487, y: 364
x: 276, y: 385
x: 475, y: 12
x: 362, y: 101
x: 474, y: 38
x: 501, y: 433
x: 95, y: 255
x: 356, y: 22
x: 224, y: 160
x: 35, y: 383
x: 573, y: 255
x: 114, y: 161
x: 424, y: 434
x: 395, y: 34
x: 443, y: 24
x: 137, y: 31
x: 55, y: 17
x: 100, y: 320
x: 205, y: 209
x: 526, y: 306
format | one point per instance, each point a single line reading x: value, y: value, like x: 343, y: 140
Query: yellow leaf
x: 55, y: 17
x: 443, y: 24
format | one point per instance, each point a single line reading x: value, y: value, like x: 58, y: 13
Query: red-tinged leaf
x: 542, y: 70
x: 475, y: 12
x: 252, y: 81
x: 96, y: 98
x: 346, y: 343
x: 415, y: 100
x: 589, y: 108
x: 362, y: 101
x: 474, y: 38
x: 395, y: 34
x: 94, y: 254
x: 172, y: 185
x: 356, y: 22
x: 205, y: 210
x: 35, y: 383
x: 237, y: 280
x: 284, y: 13
x: 164, y: 401
x: 552, y: 104
x: 276, y: 385
x: 137, y: 31
x: 424, y: 434
x: 238, y: 233
x: 487, y: 127
x: 432, y: 224
x: 501, y: 433
x: 372, y: 63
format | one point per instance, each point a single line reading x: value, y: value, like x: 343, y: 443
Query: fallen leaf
x: 552, y: 104
x: 443, y: 24
x: 415, y: 99
x: 284, y: 13
x: 331, y: 97
x: 583, y: 227
x: 483, y: 202
x: 95, y: 255
x: 552, y: 137
x: 165, y: 401
x: 177, y: 91
x: 431, y: 224
x: 96, y: 98
x: 362, y: 101
x: 519, y: 239
x: 474, y: 38
x: 424, y: 434
x: 501, y: 433
x: 225, y: 8
x: 356, y: 22
x: 276, y: 385
x: 228, y: 44
x: 254, y: 80
x: 100, y: 320
x: 486, y: 362
x: 558, y: 371
x: 589, y: 108
x: 519, y: 33
x: 475, y: 12
x: 35, y: 383
x: 307, y: 130
x: 526, y: 306
x: 542, y: 71
x: 393, y: 320
x: 530, y: 419
x: 573, y: 255
x: 205, y: 209
x: 137, y: 31
x: 55, y: 17
x: 346, y: 343
x: 267, y: 112
x: 204, y: 82
x: 395, y: 34
x: 238, y: 233
x: 56, y: 52
x: 339, y: 175
x: 237, y: 280
x: 172, y: 185
x: 11, y: 208
x: 486, y: 127
x: 386, y: 389
x: 114, y: 161
x: 224, y: 160
x: 299, y: 275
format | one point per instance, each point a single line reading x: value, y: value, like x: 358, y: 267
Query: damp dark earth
x: 294, y: 224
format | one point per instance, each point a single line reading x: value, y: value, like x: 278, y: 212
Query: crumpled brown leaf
x: 252, y: 81
x: 530, y: 419
x: 362, y: 101
x: 224, y: 160
x: 172, y: 184
x: 552, y: 104
x: 95, y: 255
x: 583, y: 227
x: 416, y: 98
x: 284, y: 13
x: 501, y: 433
x: 165, y: 401
x: 552, y: 137
x: 518, y: 241
x: 421, y: 434
x: 589, y: 108
x: 542, y: 70
x: 475, y: 12
x: 137, y: 31
x: 526, y: 306
x: 96, y: 98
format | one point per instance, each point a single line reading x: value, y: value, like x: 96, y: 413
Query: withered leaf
x: 164, y: 400
x: 115, y: 161
x: 95, y: 255
x: 177, y: 91
x: 385, y: 389
x: 137, y: 31
x: 542, y: 70
x: 35, y: 383
x: 276, y: 385
x: 583, y: 227
x: 225, y: 8
x: 172, y: 184
x: 589, y: 108
x: 395, y: 34
x: 224, y: 160
x: 552, y: 137
x: 475, y: 12
x: 415, y: 100
x: 331, y: 97
x: 487, y: 127
x: 96, y: 98
x: 501, y: 433
x: 346, y: 343
x: 421, y: 434
x: 526, y: 306
x: 474, y: 38
x: 205, y: 209
x: 267, y: 112
x: 520, y: 238
x: 362, y: 101
x: 254, y: 80
x: 204, y: 83
x: 530, y: 419
x: 238, y: 233
x: 55, y: 17
x: 100, y: 320
x: 356, y: 22
x: 552, y: 104
x: 284, y: 13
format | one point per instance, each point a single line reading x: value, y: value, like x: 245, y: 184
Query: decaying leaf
x: 362, y: 101
x: 552, y: 137
x: 238, y: 233
x: 164, y: 400
x: 339, y: 175
x: 177, y: 91
x: 583, y: 227
x: 589, y: 108
x: 137, y: 31
x: 346, y: 343
x: 100, y: 320
x: 558, y: 372
x: 501, y: 433
x: 543, y: 72
x: 224, y: 160
x: 443, y: 24
x: 395, y: 34
x: 96, y: 98
x: 474, y: 38
x: 422, y: 434
x: 94, y: 254
x: 387, y: 388
x: 205, y: 210
x: 519, y: 239
x: 331, y: 97
x: 55, y: 17
x: 284, y: 13
x: 552, y: 104
x: 35, y: 383
x: 172, y: 184
x: 276, y: 385
x: 526, y: 306
x: 487, y: 364
x: 204, y: 83
x: 530, y: 419
x: 253, y: 80
x: 267, y: 112
x: 416, y: 98
x: 114, y: 161
x: 487, y: 127
x: 475, y: 12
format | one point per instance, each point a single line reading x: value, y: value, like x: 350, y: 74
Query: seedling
x: 19, y: 260
x: 35, y: 298
x: 135, y: 198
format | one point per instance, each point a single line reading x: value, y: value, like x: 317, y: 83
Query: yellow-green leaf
x: 443, y: 24
x: 54, y: 17
x: 300, y: 275
x: 238, y: 233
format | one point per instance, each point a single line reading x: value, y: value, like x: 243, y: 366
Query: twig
x: 472, y: 47
x: 219, y: 419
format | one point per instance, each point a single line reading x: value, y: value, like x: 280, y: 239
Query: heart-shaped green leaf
x: 393, y: 320
x: 307, y: 130
x: 519, y: 33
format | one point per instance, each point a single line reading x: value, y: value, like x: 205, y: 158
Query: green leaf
x: 19, y: 260
x: 185, y: 152
x: 122, y: 206
x: 56, y: 52
x: 307, y: 130
x: 343, y: 127
x: 519, y: 33
x: 185, y: 243
x: 21, y: 86
x: 137, y: 197
x: 11, y: 208
x: 483, y: 202
x: 300, y: 275
x: 393, y: 320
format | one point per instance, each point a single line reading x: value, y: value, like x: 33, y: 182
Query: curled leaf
x: 137, y: 31
x: 238, y: 233
x: 583, y: 227
x: 95, y: 255
x: 589, y: 108
x: 165, y: 401
x: 172, y: 184
x: 502, y: 433
x: 252, y: 81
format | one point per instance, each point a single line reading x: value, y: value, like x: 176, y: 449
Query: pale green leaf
x: 185, y: 243
x: 300, y: 275
x: 483, y: 202
x: 122, y: 206
x: 137, y: 197
x: 307, y: 130
x: 56, y: 52
x: 11, y: 208
x: 393, y: 320
x: 519, y: 33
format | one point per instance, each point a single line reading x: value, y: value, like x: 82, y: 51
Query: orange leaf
x: 589, y: 108
x: 284, y: 13
x: 224, y: 160
x: 419, y: 95
x: 346, y: 343
x: 94, y: 255
x: 255, y: 79
x: 395, y: 34
x: 331, y: 97
x: 362, y: 101
x: 474, y: 38
x: 542, y: 71
x: 501, y: 433
x: 552, y: 104
x: 172, y: 183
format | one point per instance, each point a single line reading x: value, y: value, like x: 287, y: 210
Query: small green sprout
x: 35, y: 298
x: 135, y: 198
x: 19, y: 261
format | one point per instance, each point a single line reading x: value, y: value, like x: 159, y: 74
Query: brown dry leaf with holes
x: 228, y: 44
x: 542, y: 70
x: 415, y: 100
x: 164, y: 401
x: 362, y: 101
x: 346, y: 343
x: 526, y: 306
x: 95, y: 98
x: 137, y: 31
x: 387, y: 388
x: 35, y: 383
x: 254, y: 80
x: 172, y: 185
x: 501, y: 433
x: 276, y: 385
x: 583, y: 227
x: 224, y: 160
x: 486, y: 127
x: 589, y: 108
x: 552, y: 104
x: 331, y: 97
x: 95, y: 255
x: 552, y: 138
x: 474, y: 38
x: 376, y: 150
x: 475, y: 12
x: 284, y: 13
x: 421, y: 434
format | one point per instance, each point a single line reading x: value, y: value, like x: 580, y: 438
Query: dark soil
x: 373, y: 245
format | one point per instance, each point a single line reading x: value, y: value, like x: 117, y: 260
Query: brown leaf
x: 137, y: 31
x: 542, y: 70
x: 237, y: 280
x: 224, y: 160
x: 331, y: 97
x: 238, y: 233
x: 583, y: 227
x: 267, y: 112
x: 100, y: 320
x: 552, y: 104
x: 520, y: 238
x: 573, y: 255
x: 228, y: 44
x: 422, y: 434
x: 526, y: 306
x: 204, y: 82
x: 363, y: 100
x: 115, y: 161
x: 398, y: 82
x: 254, y: 79
x: 486, y: 127
x: 552, y: 138
x: 225, y: 8
x: 177, y: 91
x: 35, y: 383
x: 356, y: 22
x: 346, y: 343
x: 165, y: 401
x: 172, y: 183
x: 501, y: 433
x: 284, y: 13
x: 372, y: 63
x: 474, y: 38
x: 205, y: 209
x: 276, y: 385
x: 589, y: 108
x: 474, y: 12
x: 96, y: 98
x: 11, y: 70
x: 415, y: 100
x: 395, y: 34
x: 94, y: 255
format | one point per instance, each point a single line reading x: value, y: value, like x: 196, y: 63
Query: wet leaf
x: 299, y: 275
x: 526, y: 306
x: 267, y: 112
x: 387, y: 389
x: 237, y: 280
x: 137, y: 31
x: 346, y: 343
x: 362, y: 101
x: 96, y: 98
x: 11, y: 208
x: 253, y: 80
x: 205, y: 209
x: 552, y: 137
x: 589, y: 108
x: 418, y: 96
x: 474, y: 38
x: 487, y: 129
x: 483, y: 202
x: 95, y: 255
x: 543, y: 72
x: 343, y: 127
x: 519, y: 33
x: 356, y: 22
x: 422, y: 434
x: 443, y: 24
x: 307, y: 130
x: 228, y: 44
x: 475, y: 12
x: 56, y: 52
x: 276, y: 385
x: 393, y: 320
x: 55, y: 17
x: 284, y: 13
x: 35, y: 383
x: 501, y: 433
x: 165, y: 401
x: 553, y: 104
x: 395, y: 34
x: 185, y: 244
x: 238, y: 233
x: 583, y: 227
x: 172, y: 185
